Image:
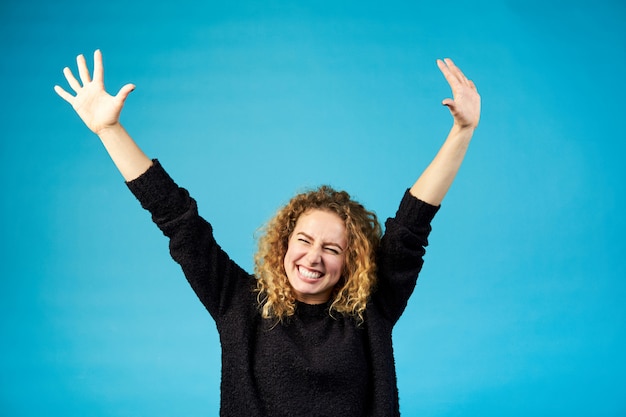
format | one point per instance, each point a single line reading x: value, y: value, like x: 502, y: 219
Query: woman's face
x: 316, y: 255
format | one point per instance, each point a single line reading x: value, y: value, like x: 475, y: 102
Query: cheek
x: 286, y: 258
x: 338, y: 265
x: 291, y: 255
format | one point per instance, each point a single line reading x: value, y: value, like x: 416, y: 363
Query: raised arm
x: 436, y: 180
x: 101, y: 112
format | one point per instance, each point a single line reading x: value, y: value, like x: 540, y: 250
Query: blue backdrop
x: 520, y: 307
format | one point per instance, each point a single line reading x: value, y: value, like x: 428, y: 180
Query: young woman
x: 308, y: 334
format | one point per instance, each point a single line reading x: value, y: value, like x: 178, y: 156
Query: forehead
x: 321, y: 224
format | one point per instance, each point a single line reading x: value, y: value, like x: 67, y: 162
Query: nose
x: 314, y: 256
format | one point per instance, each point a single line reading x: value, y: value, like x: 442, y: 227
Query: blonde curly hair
x: 276, y: 296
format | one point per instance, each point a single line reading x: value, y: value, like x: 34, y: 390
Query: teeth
x: 309, y: 274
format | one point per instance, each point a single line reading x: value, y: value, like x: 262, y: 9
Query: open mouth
x: 309, y: 274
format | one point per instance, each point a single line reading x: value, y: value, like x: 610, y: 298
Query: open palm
x: 465, y: 104
x: 97, y: 108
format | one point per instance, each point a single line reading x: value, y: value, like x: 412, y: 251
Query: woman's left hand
x: 465, y: 104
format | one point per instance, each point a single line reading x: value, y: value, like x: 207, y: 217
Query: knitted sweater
x: 314, y: 364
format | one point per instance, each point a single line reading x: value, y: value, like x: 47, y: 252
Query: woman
x: 310, y: 332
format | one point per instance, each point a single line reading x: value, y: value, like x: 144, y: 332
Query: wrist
x: 463, y: 132
x: 463, y: 127
x: 110, y: 130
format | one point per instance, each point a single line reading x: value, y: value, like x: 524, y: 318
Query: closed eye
x: 329, y: 247
x: 333, y: 251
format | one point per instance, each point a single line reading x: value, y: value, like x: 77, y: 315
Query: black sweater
x: 313, y: 364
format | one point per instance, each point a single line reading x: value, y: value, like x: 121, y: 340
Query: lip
x: 309, y: 279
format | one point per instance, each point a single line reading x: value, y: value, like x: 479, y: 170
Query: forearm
x: 401, y: 252
x: 129, y: 159
x: 215, y: 278
x: 437, y: 178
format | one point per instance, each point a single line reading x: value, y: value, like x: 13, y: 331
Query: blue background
x: 520, y: 307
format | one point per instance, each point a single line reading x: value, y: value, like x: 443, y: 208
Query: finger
x: 448, y: 102
x: 447, y: 73
x: 83, y: 72
x: 71, y: 80
x: 124, y: 92
x: 98, y: 69
x: 63, y: 94
x: 456, y: 71
x: 452, y: 107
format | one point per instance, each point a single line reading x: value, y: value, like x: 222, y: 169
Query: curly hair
x: 276, y: 296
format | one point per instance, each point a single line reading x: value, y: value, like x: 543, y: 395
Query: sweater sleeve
x: 400, y: 256
x: 214, y: 277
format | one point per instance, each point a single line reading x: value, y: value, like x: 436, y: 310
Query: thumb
x: 451, y: 105
x: 448, y: 102
x: 124, y: 92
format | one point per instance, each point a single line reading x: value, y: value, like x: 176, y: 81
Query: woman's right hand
x: 98, y: 109
x: 101, y: 113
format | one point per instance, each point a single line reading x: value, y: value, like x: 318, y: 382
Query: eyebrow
x: 324, y: 243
